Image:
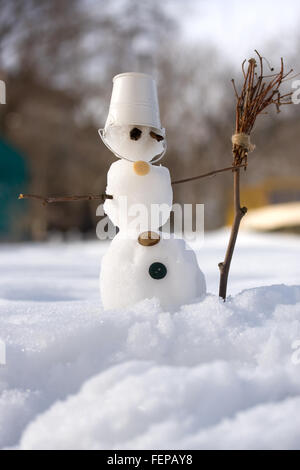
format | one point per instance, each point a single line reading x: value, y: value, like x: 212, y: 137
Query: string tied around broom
x: 242, y: 140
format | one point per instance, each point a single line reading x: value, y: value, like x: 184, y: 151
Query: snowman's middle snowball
x: 145, y: 199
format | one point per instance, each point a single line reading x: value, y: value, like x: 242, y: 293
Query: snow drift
x: 211, y: 375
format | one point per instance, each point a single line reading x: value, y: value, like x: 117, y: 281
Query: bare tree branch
x: 51, y: 199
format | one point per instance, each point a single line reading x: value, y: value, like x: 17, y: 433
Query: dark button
x: 157, y: 270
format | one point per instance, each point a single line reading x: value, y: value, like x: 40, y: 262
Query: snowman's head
x: 134, y: 142
x: 133, y: 129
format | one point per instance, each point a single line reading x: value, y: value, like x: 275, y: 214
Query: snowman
x: 140, y: 262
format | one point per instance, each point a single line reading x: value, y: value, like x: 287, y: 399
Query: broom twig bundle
x: 257, y: 93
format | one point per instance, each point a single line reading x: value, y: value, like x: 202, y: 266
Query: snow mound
x: 137, y: 405
x: 210, y: 375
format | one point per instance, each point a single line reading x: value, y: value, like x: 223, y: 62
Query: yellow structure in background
x: 276, y: 199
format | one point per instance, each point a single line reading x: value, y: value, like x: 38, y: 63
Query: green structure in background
x: 14, y: 178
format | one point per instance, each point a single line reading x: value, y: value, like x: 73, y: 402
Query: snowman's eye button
x: 135, y: 133
x: 157, y: 270
x: 155, y: 136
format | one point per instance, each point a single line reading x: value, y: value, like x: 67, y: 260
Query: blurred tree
x: 197, y: 108
x: 58, y: 59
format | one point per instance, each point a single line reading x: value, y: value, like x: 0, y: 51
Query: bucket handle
x: 156, y: 159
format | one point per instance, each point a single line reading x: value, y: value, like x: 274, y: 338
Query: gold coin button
x: 148, y: 238
x: 141, y: 168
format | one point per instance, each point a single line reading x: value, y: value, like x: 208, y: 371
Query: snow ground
x: 212, y: 375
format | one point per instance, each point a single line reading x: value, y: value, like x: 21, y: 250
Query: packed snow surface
x: 211, y: 375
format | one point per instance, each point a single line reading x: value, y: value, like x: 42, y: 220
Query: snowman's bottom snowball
x: 131, y: 272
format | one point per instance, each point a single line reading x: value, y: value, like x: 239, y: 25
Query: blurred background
x: 57, y: 60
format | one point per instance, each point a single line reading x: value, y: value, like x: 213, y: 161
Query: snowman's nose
x: 141, y: 168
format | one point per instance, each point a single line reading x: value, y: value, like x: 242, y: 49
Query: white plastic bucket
x: 134, y: 102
